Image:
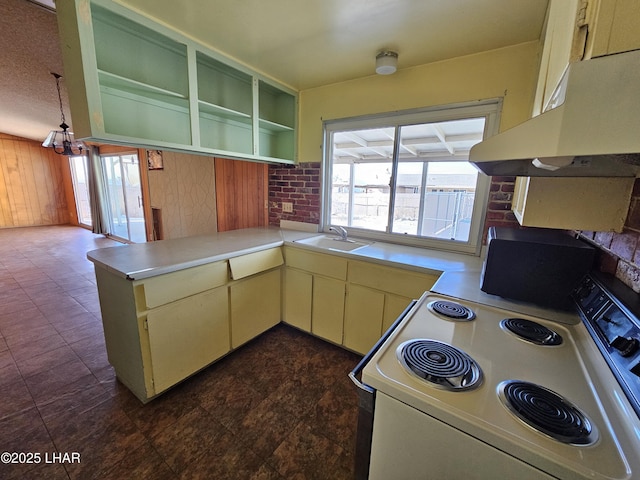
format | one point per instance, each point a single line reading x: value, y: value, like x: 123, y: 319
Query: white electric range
x: 467, y: 390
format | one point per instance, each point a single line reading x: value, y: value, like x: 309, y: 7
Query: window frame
x: 490, y: 109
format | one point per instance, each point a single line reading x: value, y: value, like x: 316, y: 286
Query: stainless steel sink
x: 334, y: 243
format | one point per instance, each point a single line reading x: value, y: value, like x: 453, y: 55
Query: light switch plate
x: 287, y: 207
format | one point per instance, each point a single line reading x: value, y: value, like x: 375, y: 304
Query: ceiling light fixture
x: 386, y: 62
x: 62, y: 141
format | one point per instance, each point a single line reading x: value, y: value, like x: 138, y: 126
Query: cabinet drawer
x: 391, y: 280
x: 167, y: 288
x: 252, y: 263
x: 327, y: 265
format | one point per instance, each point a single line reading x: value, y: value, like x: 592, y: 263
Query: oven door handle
x: 358, y: 369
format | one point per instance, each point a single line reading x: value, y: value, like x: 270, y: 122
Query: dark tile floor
x: 280, y: 407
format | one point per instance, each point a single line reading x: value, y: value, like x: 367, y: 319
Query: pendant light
x: 62, y: 141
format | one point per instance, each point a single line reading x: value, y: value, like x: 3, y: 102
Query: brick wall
x: 619, y: 253
x: 298, y: 184
x: 499, y: 212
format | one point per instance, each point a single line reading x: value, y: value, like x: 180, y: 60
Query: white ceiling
x: 303, y: 43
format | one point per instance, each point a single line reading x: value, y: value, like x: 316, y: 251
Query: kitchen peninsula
x: 171, y: 308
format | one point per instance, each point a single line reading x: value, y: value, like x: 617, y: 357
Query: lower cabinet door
x: 297, y: 299
x: 394, y: 305
x: 363, y: 318
x: 255, y: 306
x: 187, y: 335
x: 327, y: 312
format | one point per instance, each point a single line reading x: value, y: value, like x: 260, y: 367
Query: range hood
x: 594, y: 131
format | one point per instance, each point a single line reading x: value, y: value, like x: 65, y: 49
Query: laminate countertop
x: 143, y: 260
x: 459, y: 273
x: 137, y: 261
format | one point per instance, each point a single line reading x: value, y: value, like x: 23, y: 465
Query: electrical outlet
x: 287, y: 207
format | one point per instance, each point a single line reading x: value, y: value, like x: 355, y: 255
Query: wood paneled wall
x: 241, y: 194
x: 33, y: 184
x: 184, y: 192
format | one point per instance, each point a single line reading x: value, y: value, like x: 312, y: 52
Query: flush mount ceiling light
x: 386, y: 62
x: 62, y: 141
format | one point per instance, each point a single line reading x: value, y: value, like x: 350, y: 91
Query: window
x: 405, y: 177
x: 79, y: 177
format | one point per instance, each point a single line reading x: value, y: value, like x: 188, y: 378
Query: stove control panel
x: 627, y: 346
x: 616, y: 331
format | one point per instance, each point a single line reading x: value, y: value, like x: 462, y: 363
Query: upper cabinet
x: 225, y: 106
x: 579, y: 30
x: 564, y: 42
x: 616, y: 27
x: 135, y: 82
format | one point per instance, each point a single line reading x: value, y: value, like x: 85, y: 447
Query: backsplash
x: 499, y: 212
x: 296, y: 184
x: 620, y: 252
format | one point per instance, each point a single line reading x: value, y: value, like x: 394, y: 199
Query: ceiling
x: 304, y: 44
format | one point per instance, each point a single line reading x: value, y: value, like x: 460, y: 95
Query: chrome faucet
x: 340, y: 231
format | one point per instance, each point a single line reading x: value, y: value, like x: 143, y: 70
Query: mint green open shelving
x: 134, y: 82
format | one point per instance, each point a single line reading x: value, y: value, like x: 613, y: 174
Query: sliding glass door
x: 124, y: 197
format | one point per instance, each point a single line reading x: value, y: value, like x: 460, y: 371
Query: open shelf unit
x: 135, y: 82
x: 144, y: 86
x: 277, y: 121
x: 225, y: 106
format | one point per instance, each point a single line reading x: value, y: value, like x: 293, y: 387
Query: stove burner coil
x: 440, y: 364
x: 531, y: 331
x: 547, y: 412
x: 451, y: 310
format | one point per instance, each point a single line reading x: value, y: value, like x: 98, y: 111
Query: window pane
x: 434, y: 197
x: 406, y: 212
x: 341, y: 186
x: 371, y: 196
x: 361, y: 174
x: 448, y: 200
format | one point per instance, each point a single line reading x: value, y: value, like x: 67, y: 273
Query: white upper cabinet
x: 134, y: 82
